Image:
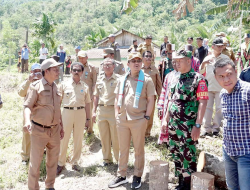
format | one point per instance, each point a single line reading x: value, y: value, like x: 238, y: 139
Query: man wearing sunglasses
x: 76, y: 113
x: 151, y: 70
x: 133, y: 106
x: 118, y: 66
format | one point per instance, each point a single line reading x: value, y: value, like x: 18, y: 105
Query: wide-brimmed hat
x: 107, y: 51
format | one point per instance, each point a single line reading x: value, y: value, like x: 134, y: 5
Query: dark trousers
x: 24, y: 65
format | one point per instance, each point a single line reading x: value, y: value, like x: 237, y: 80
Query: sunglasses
x: 77, y: 70
x: 138, y: 61
x: 148, y: 56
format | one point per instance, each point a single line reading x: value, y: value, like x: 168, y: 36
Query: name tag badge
x: 86, y: 74
x: 82, y: 91
x: 111, y: 84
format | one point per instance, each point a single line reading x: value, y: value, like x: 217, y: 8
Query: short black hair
x: 190, y: 38
x: 134, y: 41
x: 143, y: 55
x: 77, y: 63
x: 222, y: 63
x: 43, y: 72
x: 199, y: 38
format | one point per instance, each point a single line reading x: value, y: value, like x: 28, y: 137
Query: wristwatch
x: 146, y: 117
x: 88, y: 119
x: 198, y: 125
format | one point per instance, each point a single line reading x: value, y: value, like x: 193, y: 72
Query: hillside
x: 77, y: 19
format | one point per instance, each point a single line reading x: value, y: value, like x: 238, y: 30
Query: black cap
x: 218, y: 42
x: 199, y: 38
x: 148, y: 37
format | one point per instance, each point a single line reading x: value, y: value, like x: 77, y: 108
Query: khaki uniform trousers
x: 136, y: 129
x: 72, y: 120
x: 108, y: 132
x: 150, y: 122
x: 213, y: 97
x: 42, y: 137
x: 90, y: 129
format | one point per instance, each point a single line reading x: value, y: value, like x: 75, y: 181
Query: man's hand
x: 31, y: 77
x: 39, y: 75
x: 87, y: 124
x: 27, y: 127
x: 61, y: 133
x: 195, y: 134
x: 94, y: 117
x: 164, y: 126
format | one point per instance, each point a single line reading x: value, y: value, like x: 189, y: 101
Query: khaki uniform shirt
x: 23, y: 88
x: 143, y: 47
x: 105, y: 89
x: 74, y: 95
x: 127, y: 112
x: 44, y: 102
x: 213, y: 85
x: 119, y: 68
x: 89, y: 76
x: 155, y: 76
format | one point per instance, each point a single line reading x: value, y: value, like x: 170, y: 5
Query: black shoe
x: 59, y: 169
x: 216, y: 134
x: 181, y: 183
x: 203, y: 134
x: 107, y: 164
x: 49, y: 188
x: 76, y: 168
x: 117, y: 181
x: 136, y: 184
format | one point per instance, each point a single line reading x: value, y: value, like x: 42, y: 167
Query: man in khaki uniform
x: 22, y: 91
x: 104, y: 98
x: 43, y: 122
x: 115, y: 46
x: 119, y: 67
x: 76, y: 111
x: 133, y: 106
x: 89, y: 76
x: 147, y: 46
x: 155, y: 76
x: 227, y: 50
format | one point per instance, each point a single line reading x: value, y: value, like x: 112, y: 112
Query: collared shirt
x: 201, y: 53
x: 25, y: 53
x: 236, y: 113
x: 213, y: 85
x: 127, y: 112
x: 62, y: 55
x: 74, y: 95
x: 155, y: 76
x: 44, y: 102
x: 195, y: 64
x: 43, y: 51
x: 89, y: 76
x: 105, y: 89
x: 119, y: 68
x: 23, y: 88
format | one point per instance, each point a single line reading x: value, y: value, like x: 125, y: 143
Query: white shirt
x: 42, y: 51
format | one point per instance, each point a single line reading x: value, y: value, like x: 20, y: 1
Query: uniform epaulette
x: 117, y: 75
x: 118, y: 62
x: 147, y: 75
x: 35, y: 82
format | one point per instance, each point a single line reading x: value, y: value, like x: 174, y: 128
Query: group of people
x: 122, y: 101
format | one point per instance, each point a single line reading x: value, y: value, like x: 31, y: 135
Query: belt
x: 74, y: 108
x: 104, y: 105
x: 43, y: 126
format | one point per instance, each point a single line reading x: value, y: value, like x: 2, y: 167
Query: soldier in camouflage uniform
x: 186, y: 109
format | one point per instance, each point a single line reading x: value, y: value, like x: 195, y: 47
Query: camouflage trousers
x: 182, y: 147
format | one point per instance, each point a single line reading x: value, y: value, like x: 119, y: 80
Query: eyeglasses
x: 77, y: 70
x: 107, y: 65
x: 148, y: 56
x: 134, y: 61
x: 169, y: 53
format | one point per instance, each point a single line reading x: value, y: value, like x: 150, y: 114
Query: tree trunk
x: 214, y: 165
x: 202, y: 181
x: 158, y: 176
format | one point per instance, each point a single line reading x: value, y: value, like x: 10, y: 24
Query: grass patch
x: 90, y: 170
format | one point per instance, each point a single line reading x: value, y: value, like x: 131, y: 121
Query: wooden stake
x: 158, y: 175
